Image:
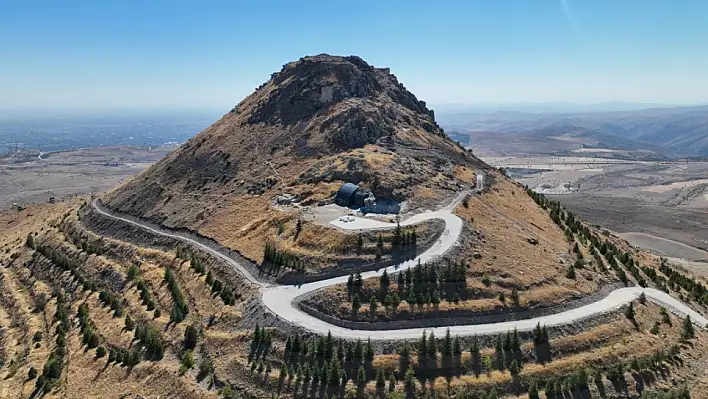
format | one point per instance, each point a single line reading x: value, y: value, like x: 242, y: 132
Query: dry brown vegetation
x: 85, y: 375
x: 25, y: 278
x: 141, y: 303
x: 503, y: 220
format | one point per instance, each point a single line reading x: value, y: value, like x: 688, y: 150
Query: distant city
x: 64, y: 132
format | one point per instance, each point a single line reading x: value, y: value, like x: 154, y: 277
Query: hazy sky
x: 211, y: 54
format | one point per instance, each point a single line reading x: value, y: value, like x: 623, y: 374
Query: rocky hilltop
x: 318, y: 122
x: 353, y: 103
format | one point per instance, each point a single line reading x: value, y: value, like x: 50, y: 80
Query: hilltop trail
x: 279, y: 299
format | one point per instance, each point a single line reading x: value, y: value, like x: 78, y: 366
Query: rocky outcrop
x: 359, y: 103
x: 305, y: 125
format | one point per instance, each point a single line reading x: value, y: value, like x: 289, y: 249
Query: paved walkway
x: 279, y: 299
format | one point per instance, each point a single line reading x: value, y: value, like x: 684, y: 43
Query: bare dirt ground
x: 32, y: 177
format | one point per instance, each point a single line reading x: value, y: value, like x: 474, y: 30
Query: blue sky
x: 211, y: 54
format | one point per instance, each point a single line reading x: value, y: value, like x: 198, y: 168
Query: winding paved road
x: 279, y: 299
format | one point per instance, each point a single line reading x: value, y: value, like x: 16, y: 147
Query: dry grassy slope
x: 85, y: 375
x: 597, y: 347
x: 34, y: 218
x: 507, y: 218
x: 282, y: 138
x: 503, y: 219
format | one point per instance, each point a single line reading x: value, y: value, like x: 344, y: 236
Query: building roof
x: 347, y: 190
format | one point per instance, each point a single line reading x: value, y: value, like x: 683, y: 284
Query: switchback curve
x: 279, y: 299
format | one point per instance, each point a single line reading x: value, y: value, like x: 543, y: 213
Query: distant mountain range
x: 547, y: 108
x: 672, y: 131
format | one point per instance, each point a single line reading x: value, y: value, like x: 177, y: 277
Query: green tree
x: 384, y: 281
x: 356, y: 303
x: 447, y: 344
x: 515, y: 296
x: 533, y: 391
x: 100, y: 352
x: 475, y: 357
x: 132, y: 272
x: 655, y: 328
x: 410, y: 383
x: 361, y: 380
x: 129, y: 323
x: 665, y: 318
x: 29, y: 241
x: 432, y: 347
x: 422, y: 350
x: 629, y: 313
x: 191, y: 336
x: 499, y: 353
x: 436, y: 298
x: 404, y: 357
x: 380, y: 380
x: 688, y: 330
x: 92, y: 341
x: 369, y: 354
x: 514, y: 368
x: 373, y: 305
x: 570, y: 273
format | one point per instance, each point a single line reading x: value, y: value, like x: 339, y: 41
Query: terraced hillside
x: 194, y: 280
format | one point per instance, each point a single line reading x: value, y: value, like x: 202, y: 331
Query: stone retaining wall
x: 345, y: 269
x: 143, y: 237
x: 453, y: 318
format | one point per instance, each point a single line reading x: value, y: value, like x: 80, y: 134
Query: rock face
x: 360, y: 104
x: 321, y: 119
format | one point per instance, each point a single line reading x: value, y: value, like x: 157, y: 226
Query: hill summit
x: 318, y: 122
x: 346, y: 103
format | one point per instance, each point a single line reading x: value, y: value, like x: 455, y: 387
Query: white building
x: 480, y: 180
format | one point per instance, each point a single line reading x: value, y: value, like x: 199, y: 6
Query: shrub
x: 665, y: 316
x: 32, y: 374
x: 191, y: 335
x: 100, y: 352
x: 129, y: 323
x: 205, y: 367
x: 688, y: 330
x: 655, y: 329
x: 40, y: 302
x: 515, y: 297
x: 132, y: 272
x: 630, y: 312
x: 93, y: 341
x: 187, y: 361
x: 570, y: 273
